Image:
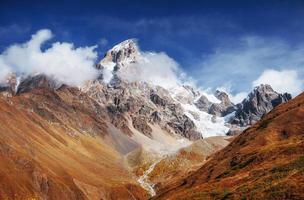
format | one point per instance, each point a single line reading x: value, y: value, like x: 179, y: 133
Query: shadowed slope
x: 265, y: 162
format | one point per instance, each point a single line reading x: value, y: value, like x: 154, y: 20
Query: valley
x: 116, y: 137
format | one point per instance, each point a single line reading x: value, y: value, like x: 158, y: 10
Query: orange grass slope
x: 53, y: 146
x: 266, y: 161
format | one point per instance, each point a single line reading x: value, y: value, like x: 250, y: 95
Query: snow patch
x: 208, y: 125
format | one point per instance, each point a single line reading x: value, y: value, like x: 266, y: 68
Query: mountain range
x: 266, y: 161
x: 124, y: 136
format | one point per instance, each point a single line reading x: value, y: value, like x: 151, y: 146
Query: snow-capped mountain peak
x: 125, y: 60
x: 126, y: 44
x: 123, y: 53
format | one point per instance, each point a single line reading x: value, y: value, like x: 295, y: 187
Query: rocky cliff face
x: 183, y: 109
x: 35, y: 82
x: 124, y: 53
x: 119, y: 56
x: 145, y: 101
x: 203, y: 104
x: 143, y: 105
x: 259, y: 102
x: 223, y: 108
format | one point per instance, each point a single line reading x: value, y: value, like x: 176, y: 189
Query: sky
x: 233, y: 45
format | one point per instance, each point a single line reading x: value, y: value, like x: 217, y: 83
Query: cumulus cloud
x: 244, y: 60
x: 155, y: 68
x: 4, y: 72
x: 62, y: 61
x: 281, y: 81
x: 159, y: 69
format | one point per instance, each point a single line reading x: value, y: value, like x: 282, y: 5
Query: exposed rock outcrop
x: 139, y: 101
x: 121, y: 55
x: 140, y: 124
x: 218, y: 109
x: 125, y: 51
x: 203, y: 104
x: 148, y: 104
x: 183, y: 125
x: 259, y: 102
x: 20, y: 84
x: 35, y: 82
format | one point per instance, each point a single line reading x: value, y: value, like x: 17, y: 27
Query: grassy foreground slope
x: 54, y: 145
x: 266, y: 161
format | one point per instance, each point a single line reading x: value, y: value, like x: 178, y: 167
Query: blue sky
x: 218, y: 43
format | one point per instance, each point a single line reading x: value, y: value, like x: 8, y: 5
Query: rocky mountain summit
x: 124, y: 53
x: 259, y: 102
x: 223, y: 108
x: 172, y: 108
x: 208, y: 114
x: 181, y: 109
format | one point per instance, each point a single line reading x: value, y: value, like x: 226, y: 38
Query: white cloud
x: 160, y: 69
x: 62, y: 61
x: 281, y: 81
x: 241, y: 62
x: 155, y: 68
x: 238, y: 97
x: 4, y: 72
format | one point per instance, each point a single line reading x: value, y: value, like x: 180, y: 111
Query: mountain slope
x: 121, y: 68
x: 60, y: 144
x: 54, y: 144
x: 109, y: 138
x: 186, y: 109
x: 266, y: 161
